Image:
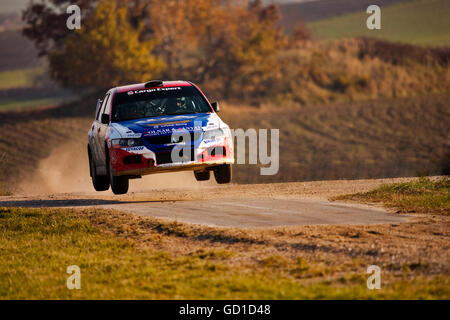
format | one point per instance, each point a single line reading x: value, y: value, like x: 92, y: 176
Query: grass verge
x: 423, y: 195
x: 21, y: 78
x: 421, y: 22
x: 18, y: 104
x: 123, y: 256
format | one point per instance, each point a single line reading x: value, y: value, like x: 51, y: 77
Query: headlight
x: 120, y: 143
x: 212, y: 134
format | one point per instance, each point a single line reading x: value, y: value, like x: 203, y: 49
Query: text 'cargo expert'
x: 154, y: 127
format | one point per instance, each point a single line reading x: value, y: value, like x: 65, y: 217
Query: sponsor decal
x: 167, y: 131
x: 133, y: 135
x: 134, y: 149
x: 167, y: 124
x: 153, y: 90
x: 207, y: 141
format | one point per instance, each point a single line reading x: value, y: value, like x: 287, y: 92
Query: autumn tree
x: 229, y: 47
x: 45, y: 22
x: 106, y: 52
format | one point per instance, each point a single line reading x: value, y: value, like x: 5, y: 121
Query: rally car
x: 154, y: 127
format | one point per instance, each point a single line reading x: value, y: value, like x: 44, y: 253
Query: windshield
x: 155, y: 102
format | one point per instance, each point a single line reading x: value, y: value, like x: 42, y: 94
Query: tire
x: 202, y: 175
x: 223, y: 174
x: 100, y: 183
x: 119, y: 184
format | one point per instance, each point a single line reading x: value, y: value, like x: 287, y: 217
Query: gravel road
x: 265, y: 205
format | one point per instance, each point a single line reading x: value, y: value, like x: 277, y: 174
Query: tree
x: 105, y: 52
x: 46, y: 22
x: 229, y: 47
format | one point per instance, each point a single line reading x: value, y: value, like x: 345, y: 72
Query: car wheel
x: 119, y: 184
x: 101, y: 183
x: 223, y: 174
x: 202, y: 175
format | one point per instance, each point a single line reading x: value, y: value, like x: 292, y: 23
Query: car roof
x: 141, y: 86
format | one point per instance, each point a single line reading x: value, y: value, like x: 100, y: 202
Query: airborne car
x: 154, y: 127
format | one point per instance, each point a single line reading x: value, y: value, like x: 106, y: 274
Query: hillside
x: 372, y: 139
x: 356, y: 108
x: 17, y: 52
x: 310, y: 11
x: 423, y: 22
x: 24, y: 79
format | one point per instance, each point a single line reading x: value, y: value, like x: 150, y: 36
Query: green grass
x: 37, y: 245
x: 31, y: 96
x: 17, y: 104
x: 422, y: 22
x: 21, y: 78
x: 423, y: 195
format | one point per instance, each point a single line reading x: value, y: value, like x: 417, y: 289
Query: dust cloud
x: 66, y: 170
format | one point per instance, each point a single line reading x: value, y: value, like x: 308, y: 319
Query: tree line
x: 236, y: 50
x: 230, y: 47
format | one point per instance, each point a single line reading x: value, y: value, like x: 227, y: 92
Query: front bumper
x: 139, y: 161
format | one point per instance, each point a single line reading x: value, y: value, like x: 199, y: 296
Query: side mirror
x: 215, y: 106
x: 105, y: 118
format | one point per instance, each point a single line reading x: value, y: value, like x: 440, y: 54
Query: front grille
x: 159, y: 140
x: 165, y: 157
x: 166, y: 139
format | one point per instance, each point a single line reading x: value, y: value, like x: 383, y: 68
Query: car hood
x: 165, y: 125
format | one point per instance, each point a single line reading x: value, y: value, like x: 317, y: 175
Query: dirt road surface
x: 247, y: 206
